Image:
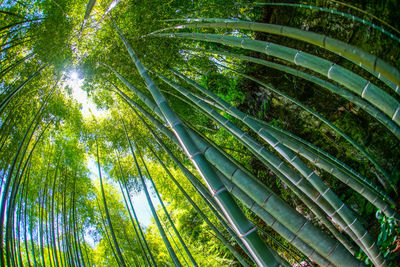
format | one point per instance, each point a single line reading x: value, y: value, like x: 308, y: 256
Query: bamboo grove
x: 260, y: 134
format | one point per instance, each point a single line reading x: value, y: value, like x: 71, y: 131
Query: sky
x: 139, y: 201
x: 74, y: 81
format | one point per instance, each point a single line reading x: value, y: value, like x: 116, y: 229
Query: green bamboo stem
x: 117, y: 248
x: 153, y: 210
x: 263, y: 196
x: 19, y: 154
x: 270, y: 202
x: 174, y: 242
x: 138, y: 224
x: 203, y: 192
x: 386, y: 176
x: 242, y: 197
x: 271, y: 221
x: 266, y: 133
x: 13, y: 92
x: 146, y: 261
x: 366, y: 13
x: 334, y: 204
x: 346, y: 15
x: 370, y: 109
x: 309, y: 204
x: 194, y: 205
x: 376, y: 66
x: 193, y: 180
x: 260, y: 251
x: 167, y: 214
x: 104, y: 229
x: 313, y: 254
x: 9, y: 68
x: 330, y: 164
x: 197, y: 185
x: 389, y: 105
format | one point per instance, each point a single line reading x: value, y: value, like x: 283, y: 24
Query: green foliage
x: 387, y: 239
x: 58, y: 207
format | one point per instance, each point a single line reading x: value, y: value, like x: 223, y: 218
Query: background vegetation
x: 54, y: 211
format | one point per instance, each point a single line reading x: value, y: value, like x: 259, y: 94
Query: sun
x: 74, y: 75
x: 74, y: 80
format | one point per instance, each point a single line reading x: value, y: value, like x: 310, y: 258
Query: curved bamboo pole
x: 363, y: 186
x: 389, y: 105
x: 114, y: 238
x: 263, y: 196
x: 346, y: 15
x: 192, y: 260
x: 376, y: 66
x: 370, y: 109
x: 260, y: 251
x: 149, y: 201
x: 386, y: 176
x: 197, y: 185
x: 240, y: 195
x: 137, y: 221
x: 334, y: 204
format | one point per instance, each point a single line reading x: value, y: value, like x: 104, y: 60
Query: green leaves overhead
x: 245, y: 173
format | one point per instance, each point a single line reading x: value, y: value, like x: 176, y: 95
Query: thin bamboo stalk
x: 263, y: 196
x: 363, y: 187
x: 376, y: 66
x: 334, y: 204
x: 370, y: 109
x: 260, y: 251
x: 149, y: 201
x: 192, y: 260
x: 389, y: 105
x: 386, y: 176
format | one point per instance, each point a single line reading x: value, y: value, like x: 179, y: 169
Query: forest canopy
x: 253, y: 133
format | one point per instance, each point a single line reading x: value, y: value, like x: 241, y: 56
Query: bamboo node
x: 333, y: 249
x: 362, y: 190
x: 295, y: 56
x: 195, y: 154
x: 326, y: 191
x: 349, y: 226
x: 274, y: 145
x: 378, y: 255
x: 233, y: 173
x: 336, y: 211
x: 280, y: 164
x: 241, y: 43
x: 266, y: 48
x: 219, y: 191
x: 295, y: 156
x: 365, y: 234
x: 365, y: 89
x: 299, y: 181
x: 266, y: 200
x: 248, y: 232
x: 395, y: 113
x: 308, y: 176
x: 330, y: 69
x: 373, y: 244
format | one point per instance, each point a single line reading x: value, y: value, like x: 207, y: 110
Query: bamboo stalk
x: 343, y: 173
x: 263, y: 196
x: 370, y: 109
x: 333, y: 203
x: 370, y: 92
x: 371, y: 63
x: 260, y: 251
